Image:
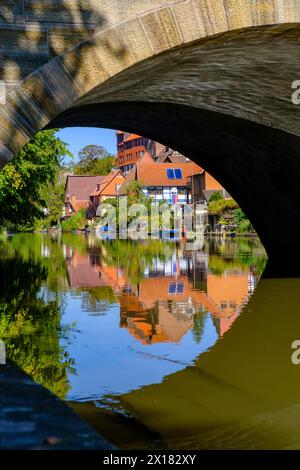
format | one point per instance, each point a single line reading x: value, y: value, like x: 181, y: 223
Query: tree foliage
x: 53, y: 195
x: 77, y: 221
x: 94, y: 160
x: 242, y: 222
x: 36, y: 165
x: 134, y: 192
x: 216, y: 196
x: 220, y: 206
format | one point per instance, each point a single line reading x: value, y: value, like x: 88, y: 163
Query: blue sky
x: 79, y: 137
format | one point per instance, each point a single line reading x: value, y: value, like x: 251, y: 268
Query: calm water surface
x: 154, y: 345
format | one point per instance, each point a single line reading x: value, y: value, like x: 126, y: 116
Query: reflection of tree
x: 30, y: 326
x: 97, y: 299
x: 198, y: 326
x: 134, y: 257
x: 237, y: 254
x: 29, y: 248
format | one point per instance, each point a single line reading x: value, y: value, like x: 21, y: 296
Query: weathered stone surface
x: 238, y: 13
x: 77, y: 12
x: 214, y: 15
x: 161, y: 29
x: 85, y: 77
x: 228, y: 74
x: 263, y: 12
x: 32, y: 418
x: 21, y: 52
x: 62, y: 39
x: 33, y: 32
x: 12, y: 11
x: 190, y: 20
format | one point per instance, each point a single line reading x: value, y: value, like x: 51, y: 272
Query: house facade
x: 108, y: 188
x: 201, y: 186
x: 132, y: 147
x: 77, y: 193
x: 162, y: 181
x: 87, y: 192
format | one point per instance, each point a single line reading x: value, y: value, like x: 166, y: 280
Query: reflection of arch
x: 218, y: 82
x: 244, y: 391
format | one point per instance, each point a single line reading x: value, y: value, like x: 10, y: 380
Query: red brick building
x: 132, y: 147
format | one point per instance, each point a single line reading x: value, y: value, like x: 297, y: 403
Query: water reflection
x: 119, y: 329
x: 162, y: 297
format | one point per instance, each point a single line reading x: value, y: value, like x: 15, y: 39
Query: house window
x: 178, y: 173
x: 174, y: 173
x: 170, y: 174
x: 176, y: 288
x: 151, y: 191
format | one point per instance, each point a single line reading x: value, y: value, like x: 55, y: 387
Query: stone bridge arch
x: 212, y: 78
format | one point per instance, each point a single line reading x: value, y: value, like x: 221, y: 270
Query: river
x: 154, y: 345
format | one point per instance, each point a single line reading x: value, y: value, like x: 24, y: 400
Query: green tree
x: 135, y: 194
x: 242, y: 222
x: 216, y: 196
x: 36, y: 165
x: 220, y: 206
x: 91, y: 153
x: 53, y: 195
x: 77, y: 221
x: 94, y: 160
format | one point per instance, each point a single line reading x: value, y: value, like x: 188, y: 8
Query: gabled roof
x: 131, y: 137
x: 128, y: 178
x: 81, y: 186
x: 151, y: 173
x: 170, y: 155
x: 107, y: 179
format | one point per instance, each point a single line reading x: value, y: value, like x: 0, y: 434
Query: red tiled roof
x: 129, y: 177
x: 107, y: 179
x: 131, y: 137
x: 169, y: 154
x: 77, y: 204
x: 81, y: 186
x: 151, y: 173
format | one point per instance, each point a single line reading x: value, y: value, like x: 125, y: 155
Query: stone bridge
x: 211, y: 78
